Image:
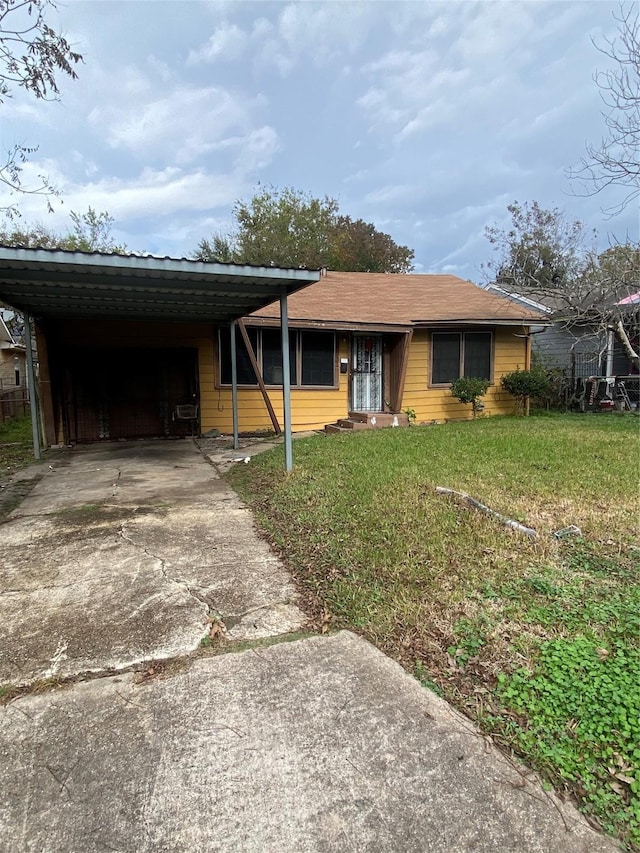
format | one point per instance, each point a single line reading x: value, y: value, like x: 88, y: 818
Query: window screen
x: 445, y: 366
x: 477, y: 354
x: 456, y: 354
x: 318, y: 358
x: 272, y: 357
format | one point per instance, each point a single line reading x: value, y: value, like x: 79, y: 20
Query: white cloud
x: 186, y: 125
x: 395, y: 193
x: 317, y: 34
x: 257, y: 149
x: 227, y: 41
x: 155, y: 192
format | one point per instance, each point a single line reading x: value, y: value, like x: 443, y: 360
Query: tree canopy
x: 89, y: 232
x: 290, y: 228
x: 32, y: 57
x: 551, y: 258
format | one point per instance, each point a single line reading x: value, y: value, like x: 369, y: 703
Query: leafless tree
x: 616, y: 160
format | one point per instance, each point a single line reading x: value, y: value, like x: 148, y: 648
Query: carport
x: 80, y: 303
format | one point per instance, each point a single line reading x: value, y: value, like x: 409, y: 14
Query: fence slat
x: 13, y: 403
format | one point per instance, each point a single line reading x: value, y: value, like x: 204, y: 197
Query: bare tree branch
x: 32, y: 57
x: 616, y: 160
x: 553, y: 260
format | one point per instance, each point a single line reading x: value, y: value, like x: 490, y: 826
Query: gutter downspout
x: 31, y: 380
x: 286, y: 381
x: 234, y: 386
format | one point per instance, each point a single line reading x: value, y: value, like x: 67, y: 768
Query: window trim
x: 297, y: 386
x: 461, y: 333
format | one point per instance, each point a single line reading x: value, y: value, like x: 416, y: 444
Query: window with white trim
x: 312, y: 357
x: 456, y: 354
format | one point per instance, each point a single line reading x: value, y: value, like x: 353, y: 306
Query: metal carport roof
x: 50, y: 283
x: 53, y: 283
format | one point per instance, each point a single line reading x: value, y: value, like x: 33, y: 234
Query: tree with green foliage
x: 90, y: 232
x: 551, y: 258
x: 32, y: 57
x: 290, y: 228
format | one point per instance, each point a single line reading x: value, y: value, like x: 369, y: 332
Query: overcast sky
x: 424, y: 118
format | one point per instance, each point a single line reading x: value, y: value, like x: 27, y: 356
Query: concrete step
x: 368, y: 420
x: 330, y: 429
x: 377, y: 420
x: 348, y: 423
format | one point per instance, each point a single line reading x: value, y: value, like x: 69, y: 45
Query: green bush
x: 469, y: 389
x: 524, y: 384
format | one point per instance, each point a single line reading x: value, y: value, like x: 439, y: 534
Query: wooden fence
x: 13, y: 403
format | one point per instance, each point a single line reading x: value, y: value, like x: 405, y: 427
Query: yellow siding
x: 437, y: 404
x: 311, y: 409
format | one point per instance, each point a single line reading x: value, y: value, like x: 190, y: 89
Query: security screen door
x: 366, y: 382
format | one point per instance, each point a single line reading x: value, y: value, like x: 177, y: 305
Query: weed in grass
x: 420, y: 672
x: 470, y: 638
x: 580, y: 712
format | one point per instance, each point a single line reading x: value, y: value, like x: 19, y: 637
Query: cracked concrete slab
x: 322, y: 745
x: 122, y: 553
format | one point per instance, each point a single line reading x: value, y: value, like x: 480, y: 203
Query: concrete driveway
x: 124, y: 553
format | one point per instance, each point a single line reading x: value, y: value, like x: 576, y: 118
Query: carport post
x: 234, y: 386
x: 31, y: 380
x: 286, y: 382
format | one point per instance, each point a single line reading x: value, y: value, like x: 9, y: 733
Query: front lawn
x: 538, y: 640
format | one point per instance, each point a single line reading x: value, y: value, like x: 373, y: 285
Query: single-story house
x: 125, y: 342
x: 381, y: 343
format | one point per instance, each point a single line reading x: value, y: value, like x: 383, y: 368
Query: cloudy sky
x: 424, y: 118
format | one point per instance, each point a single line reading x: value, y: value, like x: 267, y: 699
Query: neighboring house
x: 126, y: 342
x: 12, y: 360
x: 581, y: 350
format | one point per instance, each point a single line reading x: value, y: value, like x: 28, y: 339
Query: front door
x: 366, y: 373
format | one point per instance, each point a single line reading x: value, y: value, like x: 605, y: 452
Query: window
x: 311, y: 357
x: 317, y: 355
x: 246, y: 376
x: 272, y: 357
x: 455, y: 354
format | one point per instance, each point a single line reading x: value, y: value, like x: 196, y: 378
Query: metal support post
x: 286, y: 382
x: 234, y: 386
x: 31, y: 381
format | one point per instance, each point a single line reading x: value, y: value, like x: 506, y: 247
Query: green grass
x: 16, y: 444
x: 536, y: 639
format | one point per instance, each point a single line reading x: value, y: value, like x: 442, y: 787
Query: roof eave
x: 489, y: 321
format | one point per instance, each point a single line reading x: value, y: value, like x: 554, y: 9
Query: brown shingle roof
x: 388, y: 299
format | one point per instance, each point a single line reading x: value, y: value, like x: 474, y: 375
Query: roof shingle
x: 403, y: 300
